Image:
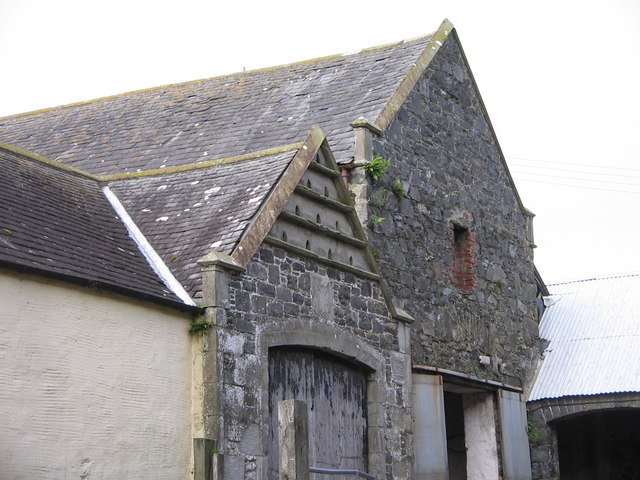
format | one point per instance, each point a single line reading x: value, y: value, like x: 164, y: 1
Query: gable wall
x: 92, y: 385
x: 284, y: 299
x: 443, y: 150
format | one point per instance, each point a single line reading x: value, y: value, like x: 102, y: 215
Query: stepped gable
x: 58, y: 221
x: 189, y: 212
x: 219, y: 117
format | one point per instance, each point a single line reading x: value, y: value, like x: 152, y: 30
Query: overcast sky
x: 561, y: 82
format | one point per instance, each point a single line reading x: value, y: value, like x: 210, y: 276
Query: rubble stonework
x: 290, y: 297
x: 444, y: 152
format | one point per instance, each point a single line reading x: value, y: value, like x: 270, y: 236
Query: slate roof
x: 192, y: 163
x: 593, y: 329
x: 219, y: 117
x: 56, y: 221
x: 190, y: 213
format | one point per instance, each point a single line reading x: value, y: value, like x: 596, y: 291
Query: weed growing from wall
x: 377, y: 167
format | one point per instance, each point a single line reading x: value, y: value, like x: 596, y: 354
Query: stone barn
x: 343, y: 232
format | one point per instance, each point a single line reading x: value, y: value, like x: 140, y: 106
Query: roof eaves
x: 93, y: 283
x: 543, y: 286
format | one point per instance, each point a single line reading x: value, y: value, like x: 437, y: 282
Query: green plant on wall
x: 376, y: 220
x: 200, y: 324
x: 534, y: 434
x: 398, y: 188
x: 377, y: 167
x: 378, y: 198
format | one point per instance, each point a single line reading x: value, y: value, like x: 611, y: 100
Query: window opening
x: 464, y: 260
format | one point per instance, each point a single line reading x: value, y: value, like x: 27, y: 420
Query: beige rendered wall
x: 92, y: 385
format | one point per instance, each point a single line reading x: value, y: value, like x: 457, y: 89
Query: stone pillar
x: 363, y: 131
x: 293, y: 435
x: 207, y: 411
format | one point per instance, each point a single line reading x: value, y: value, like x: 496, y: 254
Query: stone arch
x: 555, y: 409
x: 545, y: 415
x: 333, y: 340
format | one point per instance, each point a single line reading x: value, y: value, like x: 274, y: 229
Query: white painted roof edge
x: 147, y: 250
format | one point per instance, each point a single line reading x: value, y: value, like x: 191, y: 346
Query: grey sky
x: 559, y: 79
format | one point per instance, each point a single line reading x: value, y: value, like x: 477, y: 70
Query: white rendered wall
x: 480, y: 436
x: 92, y: 386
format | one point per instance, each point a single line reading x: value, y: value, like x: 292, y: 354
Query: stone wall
x: 284, y: 299
x: 446, y: 160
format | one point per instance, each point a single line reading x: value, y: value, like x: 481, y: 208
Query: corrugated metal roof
x: 593, y: 327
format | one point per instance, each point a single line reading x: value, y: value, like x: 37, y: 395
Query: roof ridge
x: 36, y: 157
x: 595, y: 279
x: 207, y: 164
x: 202, y: 80
x: 593, y: 338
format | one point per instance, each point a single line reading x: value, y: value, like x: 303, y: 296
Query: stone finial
x: 362, y: 122
x: 216, y: 267
x: 219, y: 259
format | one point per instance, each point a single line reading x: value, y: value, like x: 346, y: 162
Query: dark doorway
x: 335, y: 393
x: 601, y: 445
x: 456, y: 449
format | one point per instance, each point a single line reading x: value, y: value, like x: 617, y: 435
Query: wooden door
x: 335, y: 393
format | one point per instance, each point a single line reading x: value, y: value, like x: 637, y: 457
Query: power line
x: 563, y: 177
x: 577, y: 186
x: 573, y: 170
x: 556, y: 162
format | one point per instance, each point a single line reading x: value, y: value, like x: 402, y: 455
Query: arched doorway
x: 335, y: 393
x: 603, y: 444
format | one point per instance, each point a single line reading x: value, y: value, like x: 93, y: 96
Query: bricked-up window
x: 464, y: 260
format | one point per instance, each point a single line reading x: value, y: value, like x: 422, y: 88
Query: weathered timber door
x: 335, y: 393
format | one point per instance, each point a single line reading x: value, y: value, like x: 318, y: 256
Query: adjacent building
x: 584, y: 404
